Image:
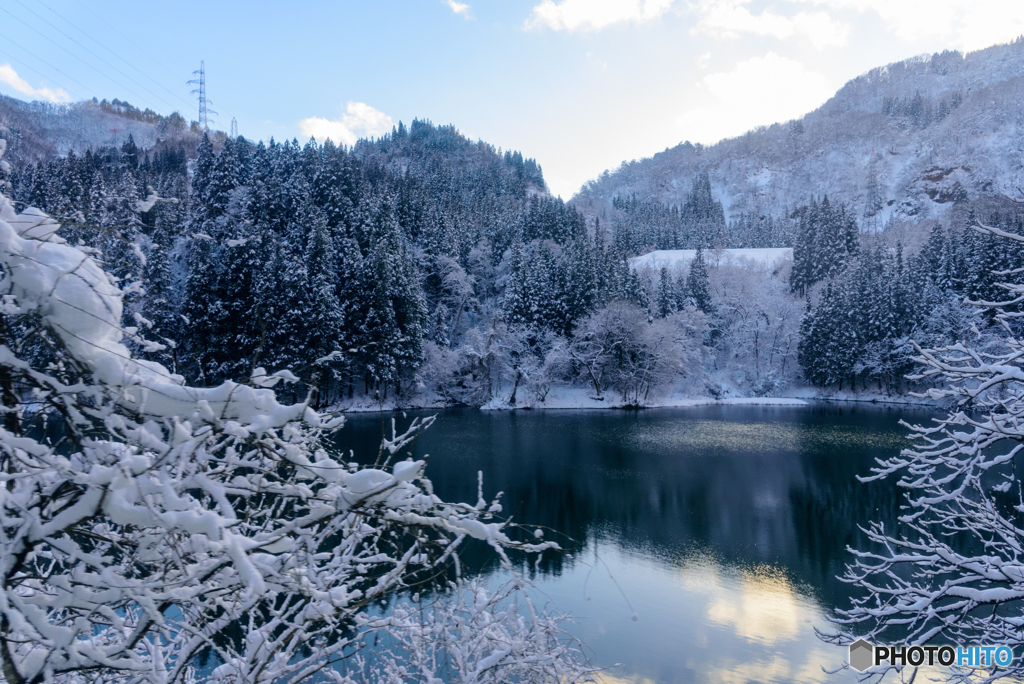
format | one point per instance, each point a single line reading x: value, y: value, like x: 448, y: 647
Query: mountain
x: 36, y: 131
x: 904, y: 141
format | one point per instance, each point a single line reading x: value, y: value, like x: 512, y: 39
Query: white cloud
x: 359, y: 121
x: 9, y: 76
x: 759, y: 91
x: 730, y: 19
x: 963, y: 24
x: 593, y: 15
x: 458, y: 8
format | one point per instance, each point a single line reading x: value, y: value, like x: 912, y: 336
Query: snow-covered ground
x: 580, y: 398
x: 678, y: 259
x: 815, y: 394
x: 584, y: 398
x: 562, y: 398
x: 368, y: 404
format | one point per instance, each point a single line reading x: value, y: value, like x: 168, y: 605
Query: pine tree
x: 516, y: 305
x: 827, y: 238
x: 120, y: 242
x: 580, y: 281
x: 394, y: 328
x: 238, y: 335
x: 158, y: 303
x: 353, y: 304
x: 203, y: 175
x: 324, y: 320
x: 703, y: 215
x: 199, y: 312
x: 829, y: 345
x: 333, y: 187
x: 666, y: 294
x: 283, y: 310
x: 873, y: 191
x: 698, y: 285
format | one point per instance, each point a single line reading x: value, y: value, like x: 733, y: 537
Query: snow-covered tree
x: 618, y: 347
x: 828, y: 340
x: 697, y: 286
x: 148, y: 526
x: 826, y: 238
x: 953, y: 569
x: 324, y: 316
x: 757, y: 328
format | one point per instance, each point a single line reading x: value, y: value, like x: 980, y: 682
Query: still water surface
x: 721, y: 528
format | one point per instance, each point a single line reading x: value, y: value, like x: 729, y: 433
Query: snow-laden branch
x: 953, y: 569
x: 167, y: 523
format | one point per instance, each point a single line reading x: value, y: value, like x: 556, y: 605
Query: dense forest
x: 347, y: 266
x: 423, y: 267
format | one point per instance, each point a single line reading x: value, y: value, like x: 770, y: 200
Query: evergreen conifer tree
x: 698, y: 285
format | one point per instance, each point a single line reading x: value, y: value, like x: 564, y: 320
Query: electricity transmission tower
x: 234, y: 127
x: 204, y: 121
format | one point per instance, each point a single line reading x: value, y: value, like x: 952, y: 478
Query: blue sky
x: 581, y: 85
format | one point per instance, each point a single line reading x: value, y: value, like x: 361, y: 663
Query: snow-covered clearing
x: 677, y: 259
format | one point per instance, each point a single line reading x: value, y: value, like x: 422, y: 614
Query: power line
x: 87, y: 89
x: 73, y: 55
x: 29, y: 9
x: 112, y: 28
x: 101, y: 44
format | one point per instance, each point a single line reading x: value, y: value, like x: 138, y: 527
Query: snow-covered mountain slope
x: 904, y: 140
x: 38, y: 130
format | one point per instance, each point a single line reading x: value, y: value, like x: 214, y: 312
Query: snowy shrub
x: 715, y: 390
x: 555, y: 367
x: 468, y: 375
x: 148, y: 526
x: 440, y: 372
x: 766, y: 385
x: 617, y: 346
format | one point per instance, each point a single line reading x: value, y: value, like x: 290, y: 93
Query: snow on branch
x: 148, y: 525
x: 952, y: 570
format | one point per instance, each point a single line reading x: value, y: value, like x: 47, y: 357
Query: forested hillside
x: 37, y: 131
x: 423, y: 268
x: 904, y: 142
x: 426, y: 268
x: 356, y: 269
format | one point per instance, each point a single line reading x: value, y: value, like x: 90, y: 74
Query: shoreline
x: 579, y: 399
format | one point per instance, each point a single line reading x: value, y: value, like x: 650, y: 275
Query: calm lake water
x: 722, y: 528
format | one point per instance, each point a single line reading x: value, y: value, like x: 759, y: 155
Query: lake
x: 721, y: 529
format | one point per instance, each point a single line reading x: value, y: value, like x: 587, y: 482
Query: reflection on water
x: 762, y: 608
x: 699, y: 621
x: 721, y: 528
x: 696, y: 436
